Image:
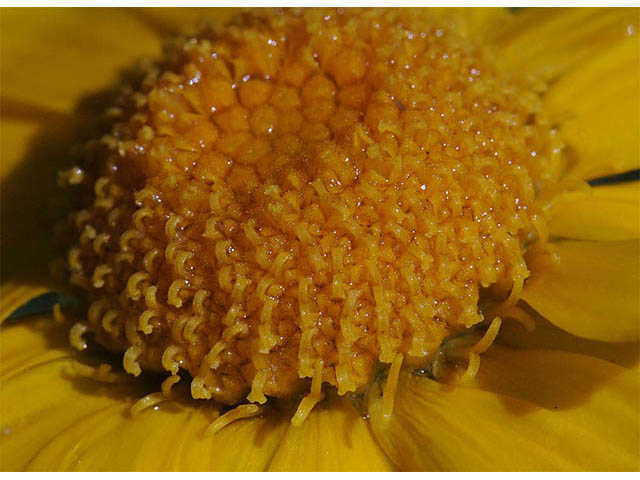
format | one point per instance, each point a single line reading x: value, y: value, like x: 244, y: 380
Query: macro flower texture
x: 320, y: 240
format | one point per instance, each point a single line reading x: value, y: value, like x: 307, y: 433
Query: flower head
x: 319, y: 213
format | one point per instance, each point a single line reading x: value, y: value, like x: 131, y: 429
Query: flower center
x: 305, y: 195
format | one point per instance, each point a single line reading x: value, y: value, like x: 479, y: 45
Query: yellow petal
x: 551, y: 41
x: 76, y: 51
x: 15, y: 142
x: 31, y: 202
x: 483, y: 21
x: 597, y: 106
x: 598, y: 214
x: 548, y: 336
x: 333, y: 438
x: 67, y: 450
x: 622, y: 192
x: 53, y: 419
x: 28, y: 342
x: 473, y: 22
x: 171, y: 21
x: 169, y: 437
x: 17, y: 292
x: 583, y: 387
x: 592, y: 291
x: 40, y: 402
x: 440, y: 427
x: 244, y: 445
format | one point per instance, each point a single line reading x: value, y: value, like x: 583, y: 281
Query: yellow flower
x: 563, y: 396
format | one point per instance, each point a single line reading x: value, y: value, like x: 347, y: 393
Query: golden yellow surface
x: 545, y: 399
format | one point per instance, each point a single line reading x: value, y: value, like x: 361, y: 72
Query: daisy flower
x: 320, y: 239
